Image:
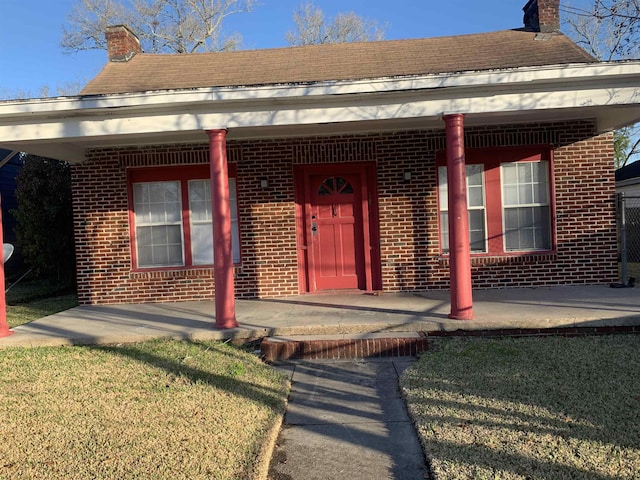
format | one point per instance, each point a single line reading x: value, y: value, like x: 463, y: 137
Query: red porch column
x: 222, y: 249
x: 4, y: 327
x: 459, y: 249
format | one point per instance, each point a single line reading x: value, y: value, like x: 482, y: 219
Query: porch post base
x: 226, y: 324
x: 5, y: 332
x: 464, y: 314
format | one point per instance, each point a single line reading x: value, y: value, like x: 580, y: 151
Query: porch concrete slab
x: 548, y: 307
x: 339, y: 438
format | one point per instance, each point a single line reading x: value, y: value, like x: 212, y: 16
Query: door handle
x: 314, y: 229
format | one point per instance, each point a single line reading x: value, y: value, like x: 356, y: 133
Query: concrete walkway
x: 584, y: 306
x: 347, y: 420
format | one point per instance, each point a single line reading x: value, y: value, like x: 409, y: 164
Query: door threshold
x: 344, y: 291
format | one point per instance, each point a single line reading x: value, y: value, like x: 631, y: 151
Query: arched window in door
x: 335, y: 185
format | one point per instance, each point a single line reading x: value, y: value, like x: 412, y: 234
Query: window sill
x: 181, y: 272
x: 508, y: 259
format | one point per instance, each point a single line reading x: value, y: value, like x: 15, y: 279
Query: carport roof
x: 337, y: 62
x: 629, y: 172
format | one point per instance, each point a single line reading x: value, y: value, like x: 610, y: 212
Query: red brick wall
x: 409, y: 248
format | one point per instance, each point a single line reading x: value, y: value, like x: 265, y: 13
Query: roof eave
x: 84, y: 120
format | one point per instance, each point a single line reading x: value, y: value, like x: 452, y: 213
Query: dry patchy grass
x: 155, y: 410
x: 565, y: 408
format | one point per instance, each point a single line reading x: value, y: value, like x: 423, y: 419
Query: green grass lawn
x: 26, y: 312
x: 154, y: 410
x: 552, y: 408
x: 36, y: 298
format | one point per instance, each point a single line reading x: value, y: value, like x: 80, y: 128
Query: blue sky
x: 31, y: 57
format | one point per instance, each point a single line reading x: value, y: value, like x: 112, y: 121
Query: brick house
x: 340, y: 167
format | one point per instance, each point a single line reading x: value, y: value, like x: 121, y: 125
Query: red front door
x: 336, y: 232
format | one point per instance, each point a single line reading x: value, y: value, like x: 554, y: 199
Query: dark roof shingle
x: 344, y: 61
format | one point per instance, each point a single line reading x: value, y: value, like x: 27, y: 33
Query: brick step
x: 342, y: 346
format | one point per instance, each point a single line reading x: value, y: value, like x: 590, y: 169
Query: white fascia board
x: 571, y: 73
x: 347, y: 111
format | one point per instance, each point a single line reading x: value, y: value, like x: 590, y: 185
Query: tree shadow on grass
x: 231, y: 380
x: 580, y: 393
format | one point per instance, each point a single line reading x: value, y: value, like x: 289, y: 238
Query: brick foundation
x: 372, y: 347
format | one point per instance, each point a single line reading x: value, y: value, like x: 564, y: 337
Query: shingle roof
x: 345, y: 61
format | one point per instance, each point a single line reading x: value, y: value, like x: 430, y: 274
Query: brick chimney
x: 122, y: 43
x: 542, y: 16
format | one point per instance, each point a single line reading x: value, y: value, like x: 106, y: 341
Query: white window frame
x: 207, y: 222
x: 182, y: 176
x: 149, y: 223
x: 543, y: 171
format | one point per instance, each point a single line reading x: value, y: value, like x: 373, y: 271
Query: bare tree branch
x: 311, y: 27
x: 609, y: 30
x: 173, y: 26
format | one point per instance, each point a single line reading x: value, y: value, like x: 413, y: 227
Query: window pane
x: 157, y: 202
x: 145, y: 256
x: 510, y: 195
x: 157, y: 213
x: 202, y: 244
x: 200, y: 200
x: 156, y: 192
x: 525, y: 194
x: 509, y: 174
x: 527, y: 228
x: 201, y: 221
x: 474, y: 174
x: 543, y: 230
x: 475, y: 203
x: 477, y: 233
x: 524, y: 173
x: 166, y: 244
x: 526, y: 217
x: 442, y: 188
x: 198, y: 190
x: 476, y: 241
x: 158, y: 217
x: 511, y: 219
x: 476, y: 220
x: 159, y: 246
x: 475, y: 197
x: 541, y: 193
x: 444, y: 231
x: 233, y: 202
x: 526, y: 239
